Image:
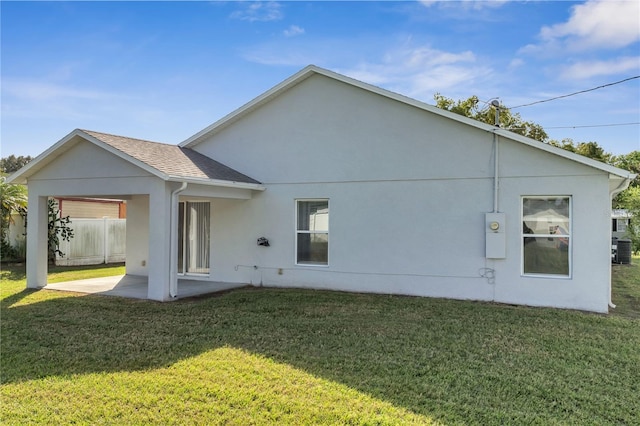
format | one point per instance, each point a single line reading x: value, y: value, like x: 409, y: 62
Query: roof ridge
x: 169, y: 160
x: 126, y: 137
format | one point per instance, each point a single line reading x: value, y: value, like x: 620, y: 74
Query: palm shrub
x: 13, y: 199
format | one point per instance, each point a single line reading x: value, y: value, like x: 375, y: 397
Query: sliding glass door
x: 194, y: 233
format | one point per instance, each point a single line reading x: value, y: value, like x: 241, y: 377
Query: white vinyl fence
x: 94, y: 241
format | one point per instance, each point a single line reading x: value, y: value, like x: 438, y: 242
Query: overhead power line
x: 595, y: 125
x: 580, y: 127
x: 576, y: 93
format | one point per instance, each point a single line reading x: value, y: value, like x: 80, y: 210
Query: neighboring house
x: 620, y: 221
x: 91, y: 208
x: 356, y: 189
x: 99, y: 231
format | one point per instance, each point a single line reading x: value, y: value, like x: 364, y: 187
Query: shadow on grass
x: 9, y: 301
x: 13, y: 271
x: 455, y: 361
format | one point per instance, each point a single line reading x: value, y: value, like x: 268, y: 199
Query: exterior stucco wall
x: 138, y: 235
x: 325, y: 131
x: 408, y: 191
x: 588, y: 287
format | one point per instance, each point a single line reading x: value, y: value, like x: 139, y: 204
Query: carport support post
x: 159, y: 260
x: 37, y: 240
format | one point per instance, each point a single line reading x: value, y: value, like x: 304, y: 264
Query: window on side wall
x: 546, y: 235
x: 312, y: 232
x: 621, y: 225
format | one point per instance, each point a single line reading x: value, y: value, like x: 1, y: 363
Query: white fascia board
x: 312, y: 69
x: 66, y: 143
x: 20, y: 176
x: 248, y: 107
x: 565, y: 154
x: 480, y: 125
x: 218, y: 182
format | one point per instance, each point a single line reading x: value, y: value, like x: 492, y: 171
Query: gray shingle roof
x: 172, y: 160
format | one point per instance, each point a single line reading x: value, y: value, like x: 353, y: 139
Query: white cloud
x: 259, y: 11
x: 596, y: 24
x: 64, y: 103
x: 414, y: 70
x: 420, y: 71
x: 516, y: 63
x: 466, y: 4
x: 268, y: 55
x: 587, y: 69
x: 293, y: 31
x: 33, y: 90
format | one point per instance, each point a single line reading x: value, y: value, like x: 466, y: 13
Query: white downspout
x: 496, y: 160
x: 173, y: 242
x: 496, y: 175
x: 624, y: 185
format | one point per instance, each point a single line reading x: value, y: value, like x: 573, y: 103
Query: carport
x: 153, y: 178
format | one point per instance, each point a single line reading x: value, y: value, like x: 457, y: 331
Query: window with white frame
x: 312, y: 232
x: 546, y: 235
x: 621, y: 225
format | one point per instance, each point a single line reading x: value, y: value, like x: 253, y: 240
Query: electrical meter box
x: 496, y: 241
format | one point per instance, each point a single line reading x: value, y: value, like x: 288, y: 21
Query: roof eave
x: 250, y: 106
x: 218, y: 182
x: 296, y: 79
x: 20, y: 176
x: 564, y: 153
x: 312, y: 69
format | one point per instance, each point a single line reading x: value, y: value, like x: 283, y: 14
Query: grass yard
x: 270, y: 356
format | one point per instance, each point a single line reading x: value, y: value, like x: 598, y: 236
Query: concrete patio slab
x: 135, y: 287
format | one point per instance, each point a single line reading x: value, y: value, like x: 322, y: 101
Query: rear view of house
x: 326, y: 182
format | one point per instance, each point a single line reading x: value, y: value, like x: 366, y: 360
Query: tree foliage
x: 629, y: 162
x: 472, y: 108
x: 587, y: 149
x: 59, y: 230
x: 12, y: 163
x: 13, y: 199
x: 630, y: 198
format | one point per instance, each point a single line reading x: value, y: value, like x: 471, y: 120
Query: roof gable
x: 310, y: 70
x: 168, y: 162
x: 172, y: 160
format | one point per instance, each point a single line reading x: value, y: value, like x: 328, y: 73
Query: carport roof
x: 172, y: 160
x: 169, y: 162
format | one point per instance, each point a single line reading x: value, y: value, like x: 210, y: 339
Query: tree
x: 587, y: 149
x: 13, y: 199
x: 630, y: 198
x: 629, y: 162
x: 12, y: 163
x: 471, y: 108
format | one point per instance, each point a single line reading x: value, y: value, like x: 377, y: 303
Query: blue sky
x: 163, y: 71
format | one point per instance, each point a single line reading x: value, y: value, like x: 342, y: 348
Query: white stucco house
x: 620, y: 222
x: 326, y: 182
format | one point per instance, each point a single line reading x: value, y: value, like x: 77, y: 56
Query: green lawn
x: 270, y: 356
